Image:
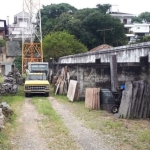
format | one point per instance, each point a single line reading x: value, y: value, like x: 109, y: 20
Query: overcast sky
x: 12, y: 7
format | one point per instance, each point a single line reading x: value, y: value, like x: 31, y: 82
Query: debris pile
x: 11, y: 82
x: 14, y: 77
x: 61, y: 81
x: 5, y: 111
x: 2, y: 119
x: 135, y: 102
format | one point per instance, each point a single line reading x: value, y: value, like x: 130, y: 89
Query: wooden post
x: 113, y: 73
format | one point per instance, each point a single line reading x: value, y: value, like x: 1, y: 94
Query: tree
x: 103, y: 8
x: 83, y: 24
x: 145, y: 16
x: 137, y: 19
x: 98, y: 21
x: 18, y: 63
x: 2, y: 43
x: 58, y: 44
x: 49, y: 14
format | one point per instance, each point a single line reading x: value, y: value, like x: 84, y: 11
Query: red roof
x: 101, y: 47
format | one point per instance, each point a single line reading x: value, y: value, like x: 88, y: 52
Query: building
x: 21, y: 25
x: 3, y: 29
x: 133, y: 30
x: 136, y: 30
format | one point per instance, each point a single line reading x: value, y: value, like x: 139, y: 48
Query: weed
x: 15, y: 101
x: 54, y: 130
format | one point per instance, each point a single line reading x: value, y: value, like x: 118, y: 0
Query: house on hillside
x: 133, y: 30
x: 3, y: 29
x: 8, y: 55
x: 21, y: 25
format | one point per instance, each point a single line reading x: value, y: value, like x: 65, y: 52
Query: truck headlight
x: 47, y: 87
x: 27, y: 87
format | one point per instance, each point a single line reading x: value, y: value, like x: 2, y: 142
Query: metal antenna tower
x: 31, y: 33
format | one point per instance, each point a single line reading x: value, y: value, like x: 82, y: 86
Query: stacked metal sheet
x: 135, y: 102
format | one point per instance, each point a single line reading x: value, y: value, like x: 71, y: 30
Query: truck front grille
x: 36, y: 88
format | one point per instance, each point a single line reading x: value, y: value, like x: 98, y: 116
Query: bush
x: 2, y: 43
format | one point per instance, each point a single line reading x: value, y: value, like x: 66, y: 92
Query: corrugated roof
x: 101, y: 47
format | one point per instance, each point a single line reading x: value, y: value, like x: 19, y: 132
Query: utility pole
x: 103, y: 30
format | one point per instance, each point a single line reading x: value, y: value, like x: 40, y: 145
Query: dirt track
x: 28, y: 136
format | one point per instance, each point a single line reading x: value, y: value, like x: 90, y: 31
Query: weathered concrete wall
x: 92, y: 69
x: 98, y: 75
x: 124, y: 54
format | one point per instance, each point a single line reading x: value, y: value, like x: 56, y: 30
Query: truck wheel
x: 27, y: 95
x: 115, y: 109
x: 47, y: 94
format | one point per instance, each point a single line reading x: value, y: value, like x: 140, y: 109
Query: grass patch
x: 15, y: 102
x: 1, y: 78
x: 52, y: 127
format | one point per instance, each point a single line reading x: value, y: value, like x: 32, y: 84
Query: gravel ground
x: 85, y: 137
x: 28, y: 135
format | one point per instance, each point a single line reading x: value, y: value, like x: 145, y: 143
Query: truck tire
x: 27, y: 94
x: 47, y: 94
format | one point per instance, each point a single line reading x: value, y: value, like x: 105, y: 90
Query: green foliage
x: 2, y: 43
x: 51, y: 12
x: 61, y: 43
x: 18, y: 63
x: 103, y: 8
x: 83, y: 24
x: 145, y: 16
x: 15, y: 101
x: 144, y: 39
x: 137, y: 19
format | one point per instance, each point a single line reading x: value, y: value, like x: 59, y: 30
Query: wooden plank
x: 72, y: 90
x: 92, y: 98
x: 88, y: 98
x: 139, y: 99
x: 125, y: 101
x: 134, y: 97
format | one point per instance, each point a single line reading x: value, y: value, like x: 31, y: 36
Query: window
x: 36, y: 77
x: 125, y: 21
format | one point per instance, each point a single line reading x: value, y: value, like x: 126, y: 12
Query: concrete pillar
x: 80, y: 80
x: 113, y: 73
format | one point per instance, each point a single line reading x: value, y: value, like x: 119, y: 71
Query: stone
x: 2, y: 119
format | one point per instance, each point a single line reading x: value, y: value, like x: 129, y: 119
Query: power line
x: 103, y: 30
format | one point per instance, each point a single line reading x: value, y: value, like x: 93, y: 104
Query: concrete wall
x: 98, y: 75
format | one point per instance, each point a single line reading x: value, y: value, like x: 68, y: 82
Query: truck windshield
x: 36, y: 77
x: 41, y: 67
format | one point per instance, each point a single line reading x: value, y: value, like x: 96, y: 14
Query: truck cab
x: 36, y: 83
x: 39, y: 67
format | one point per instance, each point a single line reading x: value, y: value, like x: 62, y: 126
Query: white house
x: 133, y: 30
x: 20, y: 26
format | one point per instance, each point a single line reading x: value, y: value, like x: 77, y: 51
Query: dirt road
x: 28, y: 136
x: 86, y: 138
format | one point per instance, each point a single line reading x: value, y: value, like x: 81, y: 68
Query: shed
x: 6, y: 67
